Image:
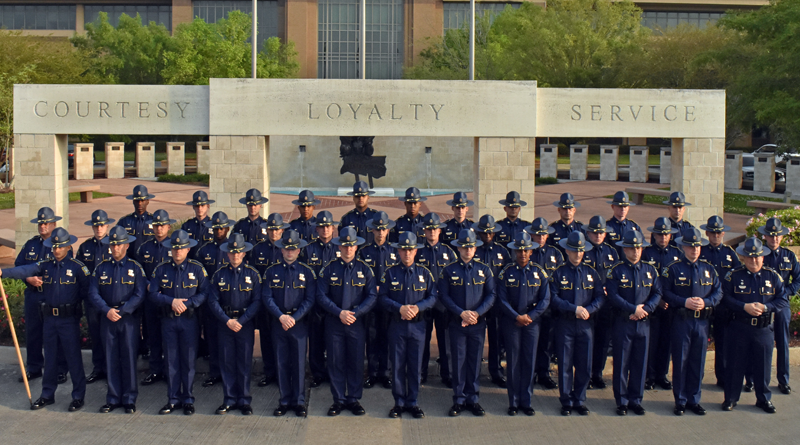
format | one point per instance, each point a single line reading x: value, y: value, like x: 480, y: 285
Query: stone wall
x: 698, y: 170
x: 504, y: 164
x: 238, y: 163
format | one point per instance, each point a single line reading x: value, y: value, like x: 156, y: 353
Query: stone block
x: 176, y: 158
x: 83, y: 161
x: 764, y: 172
x: 548, y: 160
x: 665, y: 173
x: 203, y: 157
x: 115, y: 160
x: 145, y: 159
x: 639, y: 166
x: 793, y: 177
x: 578, y: 162
x: 609, y: 162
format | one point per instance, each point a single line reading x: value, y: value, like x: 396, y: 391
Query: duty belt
x: 701, y: 314
x: 762, y: 321
x: 167, y: 312
x: 234, y: 313
x: 61, y: 311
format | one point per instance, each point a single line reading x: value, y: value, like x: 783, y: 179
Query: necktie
x: 289, y: 279
x: 409, y: 284
x: 347, y: 286
x: 522, y: 302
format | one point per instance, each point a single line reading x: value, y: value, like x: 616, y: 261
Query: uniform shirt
x: 63, y: 282
x: 151, y: 254
x: 249, y: 228
x: 453, y: 228
x: 263, y: 255
x: 413, y: 285
x: 435, y: 258
x: 493, y: 255
x: 31, y: 253
x: 237, y: 289
x: 289, y: 288
x: 138, y: 226
x: 510, y: 229
x: 722, y: 257
x: 121, y: 284
x: 573, y: 286
x: 467, y: 287
x: 629, y: 285
x: 187, y: 280
x: 307, y: 228
x: 784, y: 261
x: 661, y: 258
x: 615, y: 230
x: 212, y: 257
x: 346, y: 286
x: 683, y: 279
x: 92, y: 252
x: 519, y: 288
x: 601, y: 258
x: 680, y: 225
x: 358, y: 220
x: 548, y: 257
x: 318, y: 254
x: 379, y: 258
x: 199, y: 232
x: 406, y: 223
x: 740, y: 286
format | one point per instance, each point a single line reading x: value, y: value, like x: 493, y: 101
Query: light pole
x: 471, y: 39
x: 255, y: 34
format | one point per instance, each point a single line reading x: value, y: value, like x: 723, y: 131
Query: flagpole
x: 16, y: 343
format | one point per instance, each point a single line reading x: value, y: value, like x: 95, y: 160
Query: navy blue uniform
x: 262, y: 256
x: 406, y: 223
x: 435, y: 258
x: 466, y: 287
x: 562, y: 231
x: 250, y: 228
x: 629, y: 285
x: 307, y: 228
x: 180, y: 332
x: 615, y: 229
x: 601, y: 258
x: 235, y: 294
x: 661, y: 319
x: 120, y: 285
x: 784, y: 261
x: 751, y: 338
x: 316, y: 255
x: 199, y: 232
x: 682, y: 280
x: 400, y: 286
x: 570, y: 287
x: 453, y: 228
x: 724, y: 259
x: 138, y: 226
x: 346, y: 287
x: 521, y: 291
x: 509, y: 230
x: 358, y: 220
x: 378, y: 258
x: 290, y: 289
x: 496, y: 256
x: 680, y: 225
x: 213, y: 259
x: 151, y: 254
x: 91, y: 253
x: 550, y: 259
x: 64, y: 285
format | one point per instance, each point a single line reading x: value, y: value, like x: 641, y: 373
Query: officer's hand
x: 406, y: 313
x: 581, y: 313
x: 700, y: 303
x: 663, y: 304
x: 234, y: 325
x: 640, y: 313
x: 34, y: 281
x: 347, y: 317
x: 178, y: 306
x: 287, y: 322
x: 523, y: 320
x: 694, y: 304
x: 753, y: 309
x: 113, y: 314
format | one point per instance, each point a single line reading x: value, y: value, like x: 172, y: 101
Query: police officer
x: 150, y: 254
x: 453, y: 226
x: 677, y: 208
x: 567, y: 207
x: 412, y: 220
x: 91, y: 253
x: 435, y: 256
x: 138, y: 223
x: 467, y: 291
x: 601, y: 258
x: 523, y: 296
x: 346, y: 291
x: 753, y: 293
x: 357, y: 218
x: 288, y: 295
x: 619, y: 224
x: 511, y: 224
x: 660, y: 254
x: 785, y: 262
x: 234, y: 301
x: 577, y: 294
x: 496, y: 256
x: 250, y: 225
x: 550, y: 259
x: 117, y: 291
x: 196, y: 227
x: 724, y: 260
x: 378, y: 255
x: 691, y: 287
x: 304, y: 224
x: 65, y: 282
x: 634, y: 290
x: 318, y: 254
x: 407, y: 291
x: 179, y: 287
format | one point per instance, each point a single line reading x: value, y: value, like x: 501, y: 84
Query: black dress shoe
x: 728, y: 405
x: 416, y: 412
x: 622, y: 410
x: 62, y: 378
x: 316, y: 382
x: 130, y: 408
x: 637, y: 409
x: 512, y: 410
x: 664, y: 383
x: 211, y: 381
x: 356, y: 409
x: 370, y: 381
x: 423, y: 380
x: 748, y: 387
x: 447, y: 381
x: 582, y: 410
x: 266, y: 381
x: 301, y: 411
x: 386, y: 382
x: 95, y: 376
x: 223, y: 409
x: 649, y: 385
x: 281, y: 410
x: 527, y: 410
x: 476, y: 409
x: 697, y: 409
x: 679, y: 410
x: 169, y: 407
x: 188, y: 409
x: 767, y: 406
x: 455, y: 410
x: 720, y: 384
x: 786, y: 389
x: 152, y: 378
x: 41, y: 402
x: 107, y: 408
x: 499, y: 381
x: 246, y: 410
x: 335, y: 409
x: 75, y: 405
x: 566, y: 410
x: 395, y: 412
x: 597, y: 383
x: 547, y: 382
x: 30, y: 376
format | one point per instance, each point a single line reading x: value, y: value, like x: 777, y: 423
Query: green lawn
x: 7, y: 199
x: 131, y: 156
x: 734, y: 203
x: 623, y: 159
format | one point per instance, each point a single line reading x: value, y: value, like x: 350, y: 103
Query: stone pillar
x: 733, y: 169
x: 115, y: 160
x: 578, y: 162
x: 238, y: 163
x: 146, y: 159
x: 203, y: 158
x: 793, y: 177
x: 698, y: 171
x: 503, y: 164
x: 83, y: 164
x: 302, y: 28
x: 640, y: 164
x: 176, y: 158
x: 548, y: 161
x: 665, y: 173
x: 764, y: 172
x: 40, y: 163
x: 609, y: 162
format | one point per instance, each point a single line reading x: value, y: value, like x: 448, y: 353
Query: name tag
x: 104, y: 277
x: 147, y: 256
x: 221, y: 283
x: 130, y: 273
x: 395, y: 283
x: 334, y: 278
x: 682, y: 278
x: 278, y: 280
x: 511, y: 280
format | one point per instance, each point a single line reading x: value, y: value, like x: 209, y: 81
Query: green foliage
x: 546, y: 180
x: 16, y: 302
x: 790, y: 219
x: 185, y: 179
x: 794, y: 322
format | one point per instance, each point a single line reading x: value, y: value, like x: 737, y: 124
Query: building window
x: 665, y: 20
x: 159, y: 14
x: 214, y: 10
x: 456, y: 14
x: 339, y: 38
x: 37, y: 17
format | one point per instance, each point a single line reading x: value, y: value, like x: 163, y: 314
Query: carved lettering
x: 375, y: 111
x: 103, y: 110
x: 78, y: 107
x: 143, y: 110
x: 437, y: 111
x: 182, y: 108
x: 162, y: 109
x: 690, y: 113
x: 416, y: 110
x: 636, y: 114
x: 36, y: 108
x: 576, y: 113
x: 354, y: 110
x: 667, y: 109
x: 309, y: 112
x: 596, y: 113
x: 393, y: 116
x: 615, y: 109
x: 338, y: 109
x: 122, y: 107
x: 66, y: 107
x: 653, y: 107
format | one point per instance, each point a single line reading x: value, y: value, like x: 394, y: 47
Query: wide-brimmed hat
x: 691, y: 237
x: 663, y: 226
x: 380, y: 221
x: 200, y: 198
x: 161, y: 217
x: 45, y: 215
x: 99, y: 218
x: 466, y: 238
x: 715, y: 224
x: 140, y: 193
x: 487, y: 224
x: 567, y: 201
x: 360, y: 188
x: 60, y: 238
x: 235, y: 244
x: 179, y: 239
x: 219, y: 220
x: 253, y: 198
x: 348, y: 237
x: 512, y: 200
x: 575, y: 242
x: 677, y: 199
x: 412, y: 195
x: 632, y: 238
x: 432, y: 221
x: 773, y: 227
x: 290, y: 240
x: 522, y: 241
x: 275, y: 222
x: 118, y: 235
x: 407, y: 240
x: 753, y: 247
x: 306, y: 198
x: 597, y: 224
x: 539, y: 227
x: 324, y: 218
x: 460, y: 200
x: 621, y: 199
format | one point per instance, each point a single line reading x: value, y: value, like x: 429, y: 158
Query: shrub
x: 185, y: 179
x: 546, y: 180
x: 789, y: 217
x: 15, y: 290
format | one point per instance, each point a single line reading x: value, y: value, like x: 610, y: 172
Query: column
x: 115, y: 160
x: 578, y: 162
x: 238, y: 163
x: 203, y: 158
x: 764, y: 172
x: 698, y: 171
x: 83, y: 164
x: 301, y: 28
x: 182, y: 12
x: 609, y: 162
x: 793, y: 177
x: 176, y: 158
x: 639, y: 164
x: 40, y: 164
x: 733, y: 169
x: 548, y: 161
x: 145, y: 159
x: 665, y: 173
x: 503, y: 164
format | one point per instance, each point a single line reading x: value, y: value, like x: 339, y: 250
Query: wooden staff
x: 16, y: 343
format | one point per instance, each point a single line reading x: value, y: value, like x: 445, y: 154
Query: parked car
x: 772, y: 148
x: 748, y: 169
x: 70, y: 155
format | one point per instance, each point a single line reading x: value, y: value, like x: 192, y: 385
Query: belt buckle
x: 175, y: 313
x: 754, y: 321
x: 697, y: 313
x: 55, y: 312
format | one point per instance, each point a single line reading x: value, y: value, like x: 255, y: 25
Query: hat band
x: 100, y: 223
x: 159, y: 223
x: 693, y: 244
x: 236, y: 249
x: 120, y: 241
x: 360, y: 193
x: 466, y: 244
x: 45, y: 221
x: 624, y: 244
x: 55, y: 244
x: 199, y: 203
x: 291, y: 246
x: 220, y: 225
x: 253, y: 203
x: 180, y: 246
x: 348, y: 243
